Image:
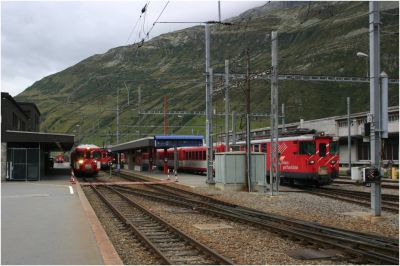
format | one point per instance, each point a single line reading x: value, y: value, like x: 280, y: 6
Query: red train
x: 106, y: 159
x: 85, y: 159
x: 60, y: 158
x: 109, y: 158
x: 312, y: 158
x: 191, y: 159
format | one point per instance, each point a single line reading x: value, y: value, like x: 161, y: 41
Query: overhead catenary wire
x: 143, y: 10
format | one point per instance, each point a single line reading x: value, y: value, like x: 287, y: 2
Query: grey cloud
x: 41, y: 38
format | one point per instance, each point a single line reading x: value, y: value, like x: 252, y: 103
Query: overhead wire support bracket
x: 262, y: 76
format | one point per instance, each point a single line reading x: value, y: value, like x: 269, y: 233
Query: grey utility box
x: 230, y: 170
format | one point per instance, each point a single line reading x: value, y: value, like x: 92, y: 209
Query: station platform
x: 47, y: 222
x: 185, y: 179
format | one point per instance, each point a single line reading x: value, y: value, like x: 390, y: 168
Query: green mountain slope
x: 319, y: 38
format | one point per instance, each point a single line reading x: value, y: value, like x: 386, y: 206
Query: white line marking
x: 71, y: 190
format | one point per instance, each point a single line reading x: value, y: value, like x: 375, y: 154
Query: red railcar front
x: 86, y: 159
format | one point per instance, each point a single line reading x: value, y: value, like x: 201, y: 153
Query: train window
x: 264, y: 147
x: 79, y: 154
x: 334, y: 148
x: 322, y: 149
x: 87, y: 156
x: 256, y: 148
x: 197, y: 155
x: 307, y: 147
x: 204, y: 155
x: 96, y: 155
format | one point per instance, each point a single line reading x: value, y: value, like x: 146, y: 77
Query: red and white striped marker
x: 72, y: 179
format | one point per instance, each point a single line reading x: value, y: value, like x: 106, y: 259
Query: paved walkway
x: 42, y: 222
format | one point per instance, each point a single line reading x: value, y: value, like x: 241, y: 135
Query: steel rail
x: 209, y: 253
x: 136, y: 231
x: 372, y: 241
x: 387, y: 206
x: 388, y: 197
x: 301, y: 234
x: 258, y: 213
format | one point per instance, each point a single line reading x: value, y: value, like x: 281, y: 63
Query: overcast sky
x: 42, y: 38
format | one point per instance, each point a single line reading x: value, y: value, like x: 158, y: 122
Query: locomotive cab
x: 86, y: 160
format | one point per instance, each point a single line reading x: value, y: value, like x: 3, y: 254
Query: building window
x: 363, y: 151
x: 391, y: 149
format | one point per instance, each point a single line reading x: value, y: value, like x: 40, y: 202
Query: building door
x: 23, y: 164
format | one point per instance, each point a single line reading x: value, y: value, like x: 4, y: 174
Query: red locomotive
x: 311, y: 158
x: 85, y: 159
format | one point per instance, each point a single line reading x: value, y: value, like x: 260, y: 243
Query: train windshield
x: 79, y: 154
x: 334, y: 148
x: 87, y: 154
x: 96, y: 154
x: 307, y: 147
x: 322, y: 149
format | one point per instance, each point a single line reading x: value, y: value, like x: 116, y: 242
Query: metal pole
x: 274, y: 172
x: 349, y: 133
x: 375, y: 142
x: 209, y: 142
x: 248, y: 153
x: 384, y: 105
x: 207, y: 40
x: 248, y: 145
x: 175, y: 161
x: 233, y: 127
x: 117, y: 116
x: 210, y: 176
x: 219, y: 11
x: 226, y: 105
x: 283, y: 118
x: 139, y: 103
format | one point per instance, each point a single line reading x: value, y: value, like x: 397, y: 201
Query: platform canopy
x: 165, y: 142
x: 159, y: 142
x: 48, y: 141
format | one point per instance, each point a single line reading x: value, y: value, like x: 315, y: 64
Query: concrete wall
x: 344, y: 154
x: 3, y: 161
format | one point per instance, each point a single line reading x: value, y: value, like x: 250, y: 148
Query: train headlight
x: 311, y: 162
x: 80, y: 161
x: 333, y: 162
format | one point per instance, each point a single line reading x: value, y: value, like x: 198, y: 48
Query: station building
x: 336, y: 126
x: 25, y: 152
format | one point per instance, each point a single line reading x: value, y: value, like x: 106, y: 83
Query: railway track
x: 168, y: 243
x: 389, y: 202
x: 364, y: 247
x: 391, y: 184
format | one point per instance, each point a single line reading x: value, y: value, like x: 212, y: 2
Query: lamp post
x: 361, y: 54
